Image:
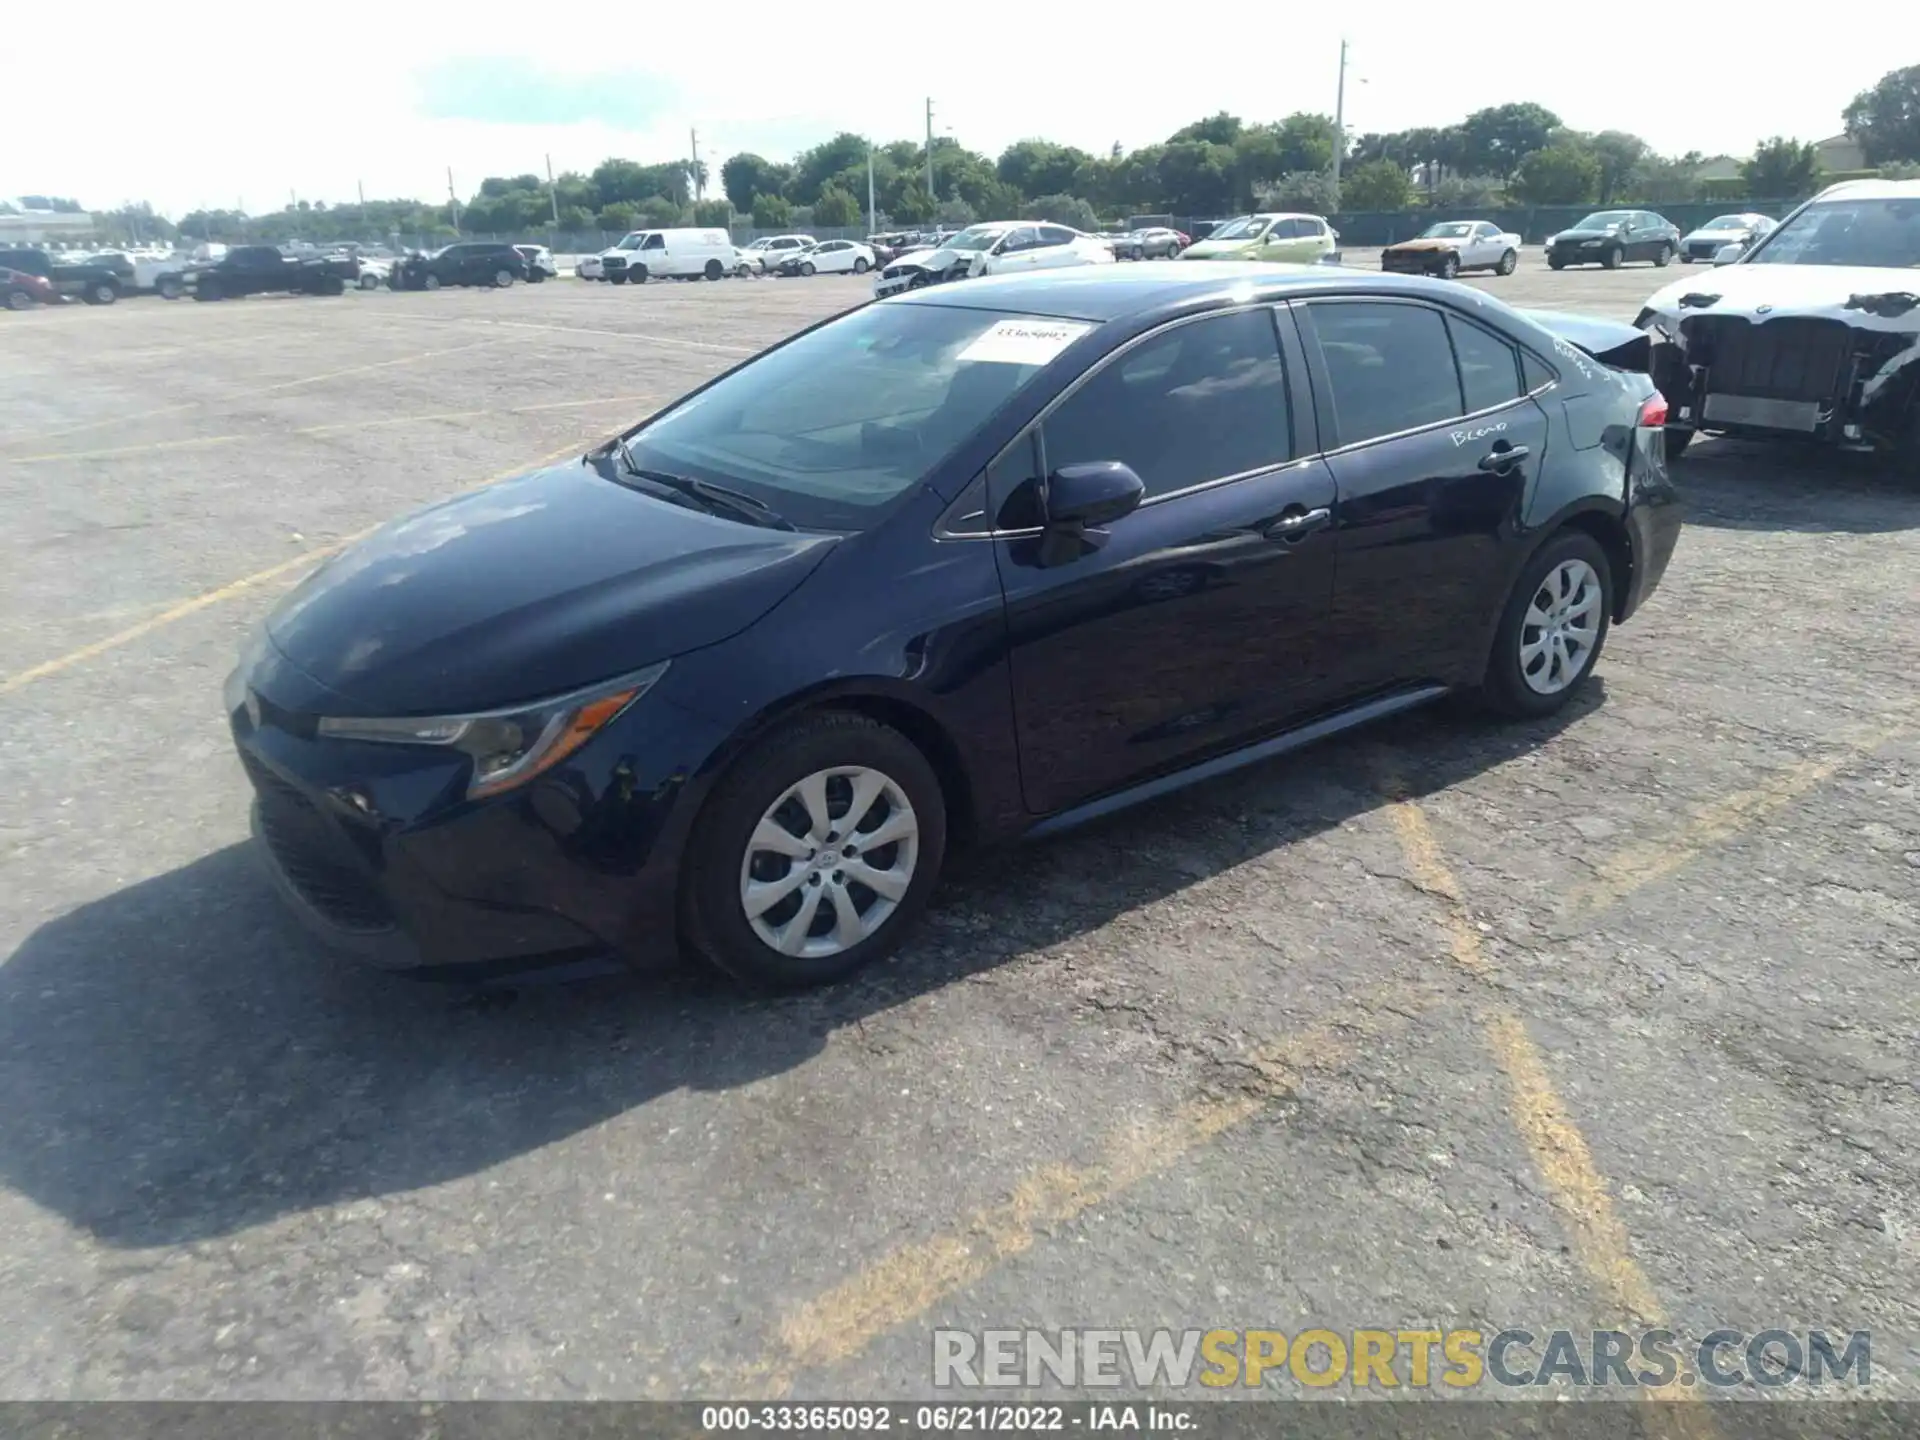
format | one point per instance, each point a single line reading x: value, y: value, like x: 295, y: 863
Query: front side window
x: 1025, y: 238
x: 655, y: 242
x: 832, y: 426
x: 1447, y: 230
x: 1390, y: 367
x: 1199, y: 402
x: 1876, y: 233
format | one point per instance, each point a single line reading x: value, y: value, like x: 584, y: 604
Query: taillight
x: 1653, y: 414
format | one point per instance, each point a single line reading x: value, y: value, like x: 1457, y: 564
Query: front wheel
x: 369, y: 280
x: 1553, y: 628
x: 432, y: 282
x: 816, y: 855
x: 19, y: 300
x: 1556, y: 264
x: 1509, y: 262
x: 860, y: 266
x: 806, y: 267
x: 102, y: 292
x: 1613, y: 258
x: 1449, y: 266
x: 1664, y: 258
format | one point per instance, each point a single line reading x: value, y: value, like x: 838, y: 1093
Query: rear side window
x: 1199, y: 402
x: 1489, y: 366
x: 1390, y: 367
x: 1534, y: 370
x: 1055, y: 235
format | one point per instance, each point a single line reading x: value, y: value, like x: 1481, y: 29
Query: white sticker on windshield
x: 1023, y: 342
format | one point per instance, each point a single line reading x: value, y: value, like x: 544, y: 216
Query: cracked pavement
x: 1207, y: 1064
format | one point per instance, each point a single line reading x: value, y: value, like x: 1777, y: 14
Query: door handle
x: 1503, y: 457
x: 1296, y: 522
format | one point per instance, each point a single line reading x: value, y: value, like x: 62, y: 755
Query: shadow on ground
x: 1747, y: 485
x: 179, y: 1062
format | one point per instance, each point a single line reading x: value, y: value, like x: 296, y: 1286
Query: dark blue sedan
x: 981, y: 561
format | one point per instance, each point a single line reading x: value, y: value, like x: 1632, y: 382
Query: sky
x: 211, y: 110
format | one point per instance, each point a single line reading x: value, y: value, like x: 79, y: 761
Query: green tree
x: 815, y: 169
x: 1557, y: 175
x: 576, y: 218
x: 1219, y: 128
x: 772, y: 212
x: 1781, y: 169
x: 1376, y: 185
x: 1197, y: 178
x: 746, y: 177
x: 835, y: 209
x: 956, y: 212
x: 1619, y: 155
x: 1886, y: 119
x: 1310, y: 191
x: 1039, y: 167
x: 1666, y: 180
x: 912, y: 206
x: 1062, y: 210
x: 1464, y: 192
x: 660, y: 210
x: 713, y: 212
x: 1494, y: 141
x: 617, y: 216
x: 1306, y: 142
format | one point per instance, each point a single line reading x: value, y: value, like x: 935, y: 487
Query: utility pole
x: 553, y: 193
x: 694, y: 136
x: 453, y: 201
x: 930, y: 194
x: 1339, y: 123
x: 361, y: 186
x: 873, y: 216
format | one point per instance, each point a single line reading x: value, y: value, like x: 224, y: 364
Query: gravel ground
x: 1604, y: 1021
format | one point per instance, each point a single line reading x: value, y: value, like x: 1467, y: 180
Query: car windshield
x: 1240, y: 229
x: 1601, y: 219
x: 977, y: 237
x: 1878, y: 233
x: 1448, y: 230
x: 1726, y: 222
x: 631, y: 242
x: 832, y: 426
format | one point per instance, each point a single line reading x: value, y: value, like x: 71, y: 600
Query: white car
x: 1003, y: 247
x: 375, y: 271
x: 588, y: 267
x: 539, y: 260
x: 1811, y: 333
x: 1450, y: 246
x: 766, y: 253
x: 1710, y: 239
x: 829, y: 257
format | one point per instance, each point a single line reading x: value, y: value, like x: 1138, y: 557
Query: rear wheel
x: 369, y: 280
x: 816, y: 854
x: 715, y: 270
x: 502, y: 278
x: 1664, y: 258
x: 860, y: 266
x: 19, y: 300
x: 1553, y: 628
x: 637, y: 274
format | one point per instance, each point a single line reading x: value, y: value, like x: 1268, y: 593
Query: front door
x: 1192, y: 623
x: 1433, y: 460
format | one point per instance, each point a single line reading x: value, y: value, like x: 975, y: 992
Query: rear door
x: 1192, y: 624
x: 1433, y: 448
x: 1055, y: 247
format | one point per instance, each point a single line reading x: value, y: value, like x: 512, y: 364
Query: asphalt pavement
x: 1607, y: 1020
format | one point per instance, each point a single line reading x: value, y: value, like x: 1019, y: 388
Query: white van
x: 655, y: 254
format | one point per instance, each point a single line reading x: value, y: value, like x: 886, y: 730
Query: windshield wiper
x: 713, y: 497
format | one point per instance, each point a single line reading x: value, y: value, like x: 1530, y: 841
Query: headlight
x: 508, y: 747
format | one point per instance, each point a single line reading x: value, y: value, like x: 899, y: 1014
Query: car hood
x: 941, y: 259
x: 1434, y: 242
x: 1584, y: 235
x: 1863, y: 296
x: 1725, y: 237
x: 530, y: 588
x: 1214, y: 249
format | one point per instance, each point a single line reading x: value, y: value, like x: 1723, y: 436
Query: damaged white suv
x: 1813, y: 333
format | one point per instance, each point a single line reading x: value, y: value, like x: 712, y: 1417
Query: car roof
x: 1113, y: 292
x: 1872, y: 190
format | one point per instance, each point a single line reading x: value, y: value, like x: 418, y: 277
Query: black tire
x: 619, y: 278
x: 1664, y: 258
x: 715, y: 270
x: 860, y: 266
x: 502, y: 278
x: 806, y: 267
x: 207, y: 290
x: 1449, y: 266
x: 430, y: 282
x: 1504, y: 689
x: 1612, y: 259
x: 1509, y: 262
x: 1686, y: 259
x: 1555, y: 263
x: 333, y: 285
x: 102, y: 292
x: 638, y: 274
x: 168, y: 287
x: 368, y: 280
x: 1678, y: 438
x: 713, y: 919
x: 19, y: 300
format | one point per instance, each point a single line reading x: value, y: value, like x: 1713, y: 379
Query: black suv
x: 466, y: 262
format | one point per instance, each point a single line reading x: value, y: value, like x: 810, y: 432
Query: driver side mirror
x: 1094, y: 494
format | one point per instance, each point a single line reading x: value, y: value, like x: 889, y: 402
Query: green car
x: 1295, y: 239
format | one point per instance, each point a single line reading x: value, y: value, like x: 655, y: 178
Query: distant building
x: 1720, y: 167
x: 1840, y: 152
x: 21, y: 226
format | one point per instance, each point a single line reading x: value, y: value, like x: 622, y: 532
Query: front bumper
x: 1418, y: 262
x: 1816, y: 377
x: 375, y: 848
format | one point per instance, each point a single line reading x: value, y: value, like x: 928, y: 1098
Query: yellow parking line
x: 1560, y: 1153
x: 1637, y: 866
x: 197, y: 603
x: 336, y: 427
x: 908, y: 1282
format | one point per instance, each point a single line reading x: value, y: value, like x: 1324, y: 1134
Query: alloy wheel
x: 1561, y: 627
x: 829, y: 861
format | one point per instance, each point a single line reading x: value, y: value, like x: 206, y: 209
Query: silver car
x: 1706, y: 242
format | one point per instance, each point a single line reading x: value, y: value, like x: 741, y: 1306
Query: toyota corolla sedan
x: 974, y: 563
